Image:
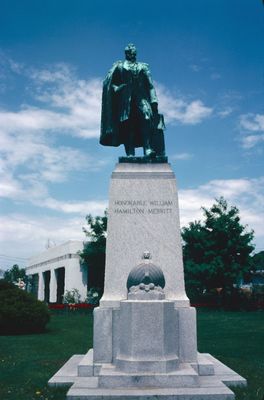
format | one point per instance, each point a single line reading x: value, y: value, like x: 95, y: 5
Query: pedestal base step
x: 185, y: 376
x: 107, y: 383
x: 81, y: 391
x: 68, y: 373
x: 164, y: 365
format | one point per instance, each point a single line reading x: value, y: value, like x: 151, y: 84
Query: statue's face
x: 131, y: 54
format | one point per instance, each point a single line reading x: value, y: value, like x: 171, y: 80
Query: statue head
x: 131, y: 52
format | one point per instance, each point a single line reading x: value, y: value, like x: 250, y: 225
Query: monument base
x: 145, y: 330
x: 208, y: 379
x: 146, y: 350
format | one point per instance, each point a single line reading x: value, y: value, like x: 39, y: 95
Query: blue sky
x: 206, y: 58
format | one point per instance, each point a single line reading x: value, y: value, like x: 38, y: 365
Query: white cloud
x: 8, y: 64
x: 178, y: 110
x: 225, y: 112
x: 29, y: 162
x: 55, y: 73
x: 10, y: 187
x: 66, y: 104
x: 253, y: 123
x: 251, y: 141
x: 28, y: 235
x: 37, y: 153
x: 31, y: 157
x: 71, y: 207
x: 77, y: 113
x: 181, y: 156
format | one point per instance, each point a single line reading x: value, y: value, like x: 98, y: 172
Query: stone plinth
x: 145, y: 339
x: 143, y: 214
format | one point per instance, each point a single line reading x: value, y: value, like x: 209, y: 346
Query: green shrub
x: 4, y: 285
x: 20, y: 312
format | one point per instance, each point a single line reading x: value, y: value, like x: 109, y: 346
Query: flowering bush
x: 71, y: 307
x: 93, y: 296
x: 72, y: 297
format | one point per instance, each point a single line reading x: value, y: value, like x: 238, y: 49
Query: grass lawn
x: 236, y: 339
x: 27, y: 362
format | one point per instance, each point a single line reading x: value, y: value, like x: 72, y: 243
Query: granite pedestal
x: 145, y: 343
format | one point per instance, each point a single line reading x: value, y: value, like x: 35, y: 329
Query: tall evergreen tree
x: 14, y: 274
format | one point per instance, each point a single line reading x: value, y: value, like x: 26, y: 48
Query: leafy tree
x: 217, y: 251
x: 93, y: 254
x: 14, y: 274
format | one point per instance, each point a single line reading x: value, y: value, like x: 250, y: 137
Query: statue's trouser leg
x: 146, y: 135
x: 130, y: 150
x: 129, y: 144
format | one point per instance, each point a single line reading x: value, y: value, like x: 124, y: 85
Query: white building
x: 56, y: 270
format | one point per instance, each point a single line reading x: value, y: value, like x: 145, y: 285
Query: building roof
x: 64, y: 250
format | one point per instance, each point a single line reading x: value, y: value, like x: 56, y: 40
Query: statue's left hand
x: 118, y: 88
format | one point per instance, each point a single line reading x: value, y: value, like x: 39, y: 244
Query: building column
x: 41, y: 287
x: 53, y: 286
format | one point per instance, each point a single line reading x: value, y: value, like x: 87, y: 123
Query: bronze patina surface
x: 130, y: 109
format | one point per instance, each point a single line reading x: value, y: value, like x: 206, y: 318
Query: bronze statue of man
x: 129, y: 106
